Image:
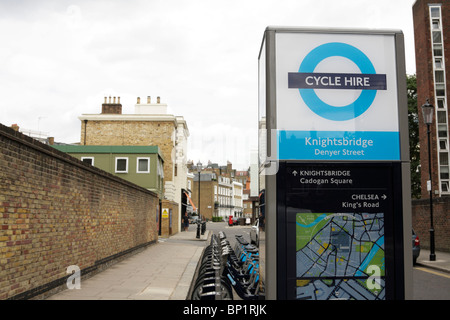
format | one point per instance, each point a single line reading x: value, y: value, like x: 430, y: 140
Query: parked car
x: 415, y: 246
x: 254, y: 233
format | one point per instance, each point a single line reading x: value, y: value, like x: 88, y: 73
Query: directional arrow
x: 384, y: 197
x: 294, y: 173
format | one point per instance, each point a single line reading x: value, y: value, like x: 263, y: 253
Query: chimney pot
x: 112, y: 108
x: 105, y: 99
x: 158, y: 100
x: 138, y: 100
x: 148, y: 99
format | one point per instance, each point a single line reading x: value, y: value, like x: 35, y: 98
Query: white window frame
x: 443, y: 135
x: 137, y: 164
x: 115, y: 165
x: 90, y: 158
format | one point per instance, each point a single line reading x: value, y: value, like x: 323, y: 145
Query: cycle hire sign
x: 336, y: 97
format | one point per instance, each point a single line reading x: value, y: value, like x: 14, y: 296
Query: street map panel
x: 340, y: 256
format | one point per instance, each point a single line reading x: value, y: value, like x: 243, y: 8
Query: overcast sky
x: 59, y: 58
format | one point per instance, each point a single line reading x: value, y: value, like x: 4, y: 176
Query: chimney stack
x: 157, y: 107
x: 112, y: 108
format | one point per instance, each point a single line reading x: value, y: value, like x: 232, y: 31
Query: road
x: 230, y: 231
x: 428, y: 284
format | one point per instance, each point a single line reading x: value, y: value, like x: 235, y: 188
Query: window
x: 444, y: 172
x: 436, y: 24
x: 435, y: 12
x: 439, y: 76
x: 143, y: 165
x: 440, y: 89
x: 443, y: 158
x: 437, y: 38
x: 437, y: 50
x: 88, y: 160
x: 444, y: 186
x: 441, y: 117
x: 440, y: 93
x: 442, y: 130
x: 121, y: 165
x: 438, y: 63
x: 160, y: 169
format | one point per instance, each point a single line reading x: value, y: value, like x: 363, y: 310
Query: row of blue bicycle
x: 224, y: 270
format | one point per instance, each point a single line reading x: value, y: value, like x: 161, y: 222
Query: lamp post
x: 199, y: 169
x: 427, y: 112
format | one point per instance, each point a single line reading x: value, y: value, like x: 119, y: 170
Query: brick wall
x: 206, y: 197
x: 169, y: 224
x: 56, y: 211
x: 441, y: 222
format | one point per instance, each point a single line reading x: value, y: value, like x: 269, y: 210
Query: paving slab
x: 163, y: 271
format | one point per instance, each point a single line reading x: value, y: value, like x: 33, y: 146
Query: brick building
x: 221, y: 195
x: 250, y: 202
x: 432, y: 47
x: 208, y: 186
x: 150, y: 125
x: 431, y: 32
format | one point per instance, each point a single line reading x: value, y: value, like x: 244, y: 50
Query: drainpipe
x: 85, y: 125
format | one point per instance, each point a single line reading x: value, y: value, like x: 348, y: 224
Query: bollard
x: 198, y: 230
x: 203, y: 227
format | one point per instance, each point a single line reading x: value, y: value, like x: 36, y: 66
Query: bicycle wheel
x: 203, y: 292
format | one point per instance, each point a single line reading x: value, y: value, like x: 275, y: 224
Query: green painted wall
x: 105, y: 159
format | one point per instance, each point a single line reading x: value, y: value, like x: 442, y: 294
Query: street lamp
x: 199, y: 169
x: 428, y: 112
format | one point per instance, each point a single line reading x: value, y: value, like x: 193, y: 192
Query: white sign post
x: 334, y: 144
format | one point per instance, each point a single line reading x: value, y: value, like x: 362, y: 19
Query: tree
x: 414, y: 145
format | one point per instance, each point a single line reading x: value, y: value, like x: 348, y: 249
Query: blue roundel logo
x: 307, y: 81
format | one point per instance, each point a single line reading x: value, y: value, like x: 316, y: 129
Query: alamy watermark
x: 74, y: 280
x: 374, y: 281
